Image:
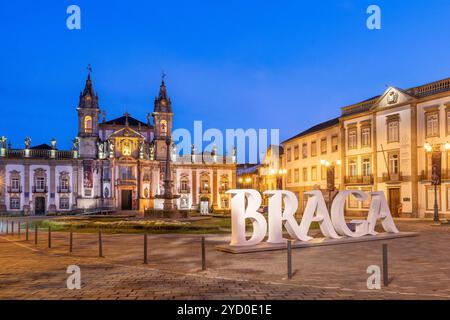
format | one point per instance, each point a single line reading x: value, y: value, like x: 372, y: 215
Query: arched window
x: 88, y: 124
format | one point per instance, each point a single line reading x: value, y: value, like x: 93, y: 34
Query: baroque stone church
x: 116, y: 164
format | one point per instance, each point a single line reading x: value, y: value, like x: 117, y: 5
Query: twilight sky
x: 232, y: 64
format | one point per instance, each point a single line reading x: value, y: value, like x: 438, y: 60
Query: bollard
x: 27, y: 226
x: 145, y: 249
x: 35, y: 233
x: 18, y: 229
x: 289, y: 259
x: 7, y: 227
x: 100, y: 245
x: 203, y: 254
x: 49, y: 236
x: 385, y: 265
x: 70, y: 240
x: 12, y: 227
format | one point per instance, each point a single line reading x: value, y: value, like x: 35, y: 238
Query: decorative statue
x: 141, y: 149
x: 74, y: 144
x: 111, y: 148
x: 3, y: 139
x: 193, y: 149
x: 53, y: 143
x: 152, y: 151
x: 233, y: 152
x: 27, y: 142
x: 100, y: 146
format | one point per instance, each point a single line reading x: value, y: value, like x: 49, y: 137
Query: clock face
x: 163, y: 102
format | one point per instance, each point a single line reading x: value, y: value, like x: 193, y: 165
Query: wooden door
x: 394, y: 201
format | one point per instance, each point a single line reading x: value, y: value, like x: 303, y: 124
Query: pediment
x: 126, y: 132
x: 391, y: 97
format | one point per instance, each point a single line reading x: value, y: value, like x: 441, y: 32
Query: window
x: 289, y: 176
x: 323, y: 146
x: 352, y: 168
x: 184, y: 184
x: 352, y: 138
x: 40, y: 183
x: 288, y: 155
x: 15, y: 184
x: 393, y: 134
x: 204, y: 183
x: 448, y: 121
x: 432, y: 124
x: 313, y: 148
x: 163, y: 127
x: 126, y: 173
x: 88, y: 124
x: 64, y: 183
x: 393, y: 163
x: 365, y: 137
x: 305, y: 174
x: 305, y: 151
x: 366, y: 169
x: 296, y: 175
x: 334, y: 143
x: 296, y: 153
x: 14, y: 203
x: 313, y: 173
x: 63, y: 203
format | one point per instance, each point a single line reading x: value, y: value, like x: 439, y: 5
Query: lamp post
x: 435, y: 175
x: 330, y: 178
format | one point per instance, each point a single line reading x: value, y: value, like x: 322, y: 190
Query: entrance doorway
x: 394, y: 201
x: 39, y: 208
x: 126, y: 200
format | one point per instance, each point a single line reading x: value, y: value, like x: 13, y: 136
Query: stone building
x: 383, y: 143
x: 116, y: 164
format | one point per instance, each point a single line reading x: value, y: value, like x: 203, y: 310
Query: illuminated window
x: 352, y: 138
x: 163, y: 127
x: 88, y: 124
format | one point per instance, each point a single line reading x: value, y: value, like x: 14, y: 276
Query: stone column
x: 342, y: 150
x: 375, y: 152
x: 414, y: 164
x: 74, y: 184
x: 215, y: 189
x: 194, y: 187
x: 26, y: 188
x: 3, y: 187
x: 52, y: 188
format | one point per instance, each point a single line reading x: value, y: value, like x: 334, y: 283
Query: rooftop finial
x: 89, y: 68
x: 163, y: 76
x: 126, y: 114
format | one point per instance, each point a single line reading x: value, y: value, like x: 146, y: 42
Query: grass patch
x: 211, y: 224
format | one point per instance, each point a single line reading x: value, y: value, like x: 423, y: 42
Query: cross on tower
x: 89, y: 68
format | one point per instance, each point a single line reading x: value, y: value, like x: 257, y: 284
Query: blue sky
x: 231, y: 64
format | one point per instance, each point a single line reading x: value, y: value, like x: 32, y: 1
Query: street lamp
x: 330, y: 178
x: 435, y: 175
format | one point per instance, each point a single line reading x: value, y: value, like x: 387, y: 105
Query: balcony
x: 358, y: 179
x: 426, y: 175
x: 15, y: 189
x: 184, y: 190
x: 392, y: 177
x: 205, y: 190
x: 38, y: 189
x: 63, y: 189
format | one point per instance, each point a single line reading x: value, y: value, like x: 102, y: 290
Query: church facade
x: 116, y: 164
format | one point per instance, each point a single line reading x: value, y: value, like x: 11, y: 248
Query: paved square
x: 419, y: 268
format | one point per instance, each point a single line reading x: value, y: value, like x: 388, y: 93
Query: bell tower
x: 88, y: 119
x: 162, y: 121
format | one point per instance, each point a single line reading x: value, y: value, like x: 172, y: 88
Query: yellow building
x: 383, y: 143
